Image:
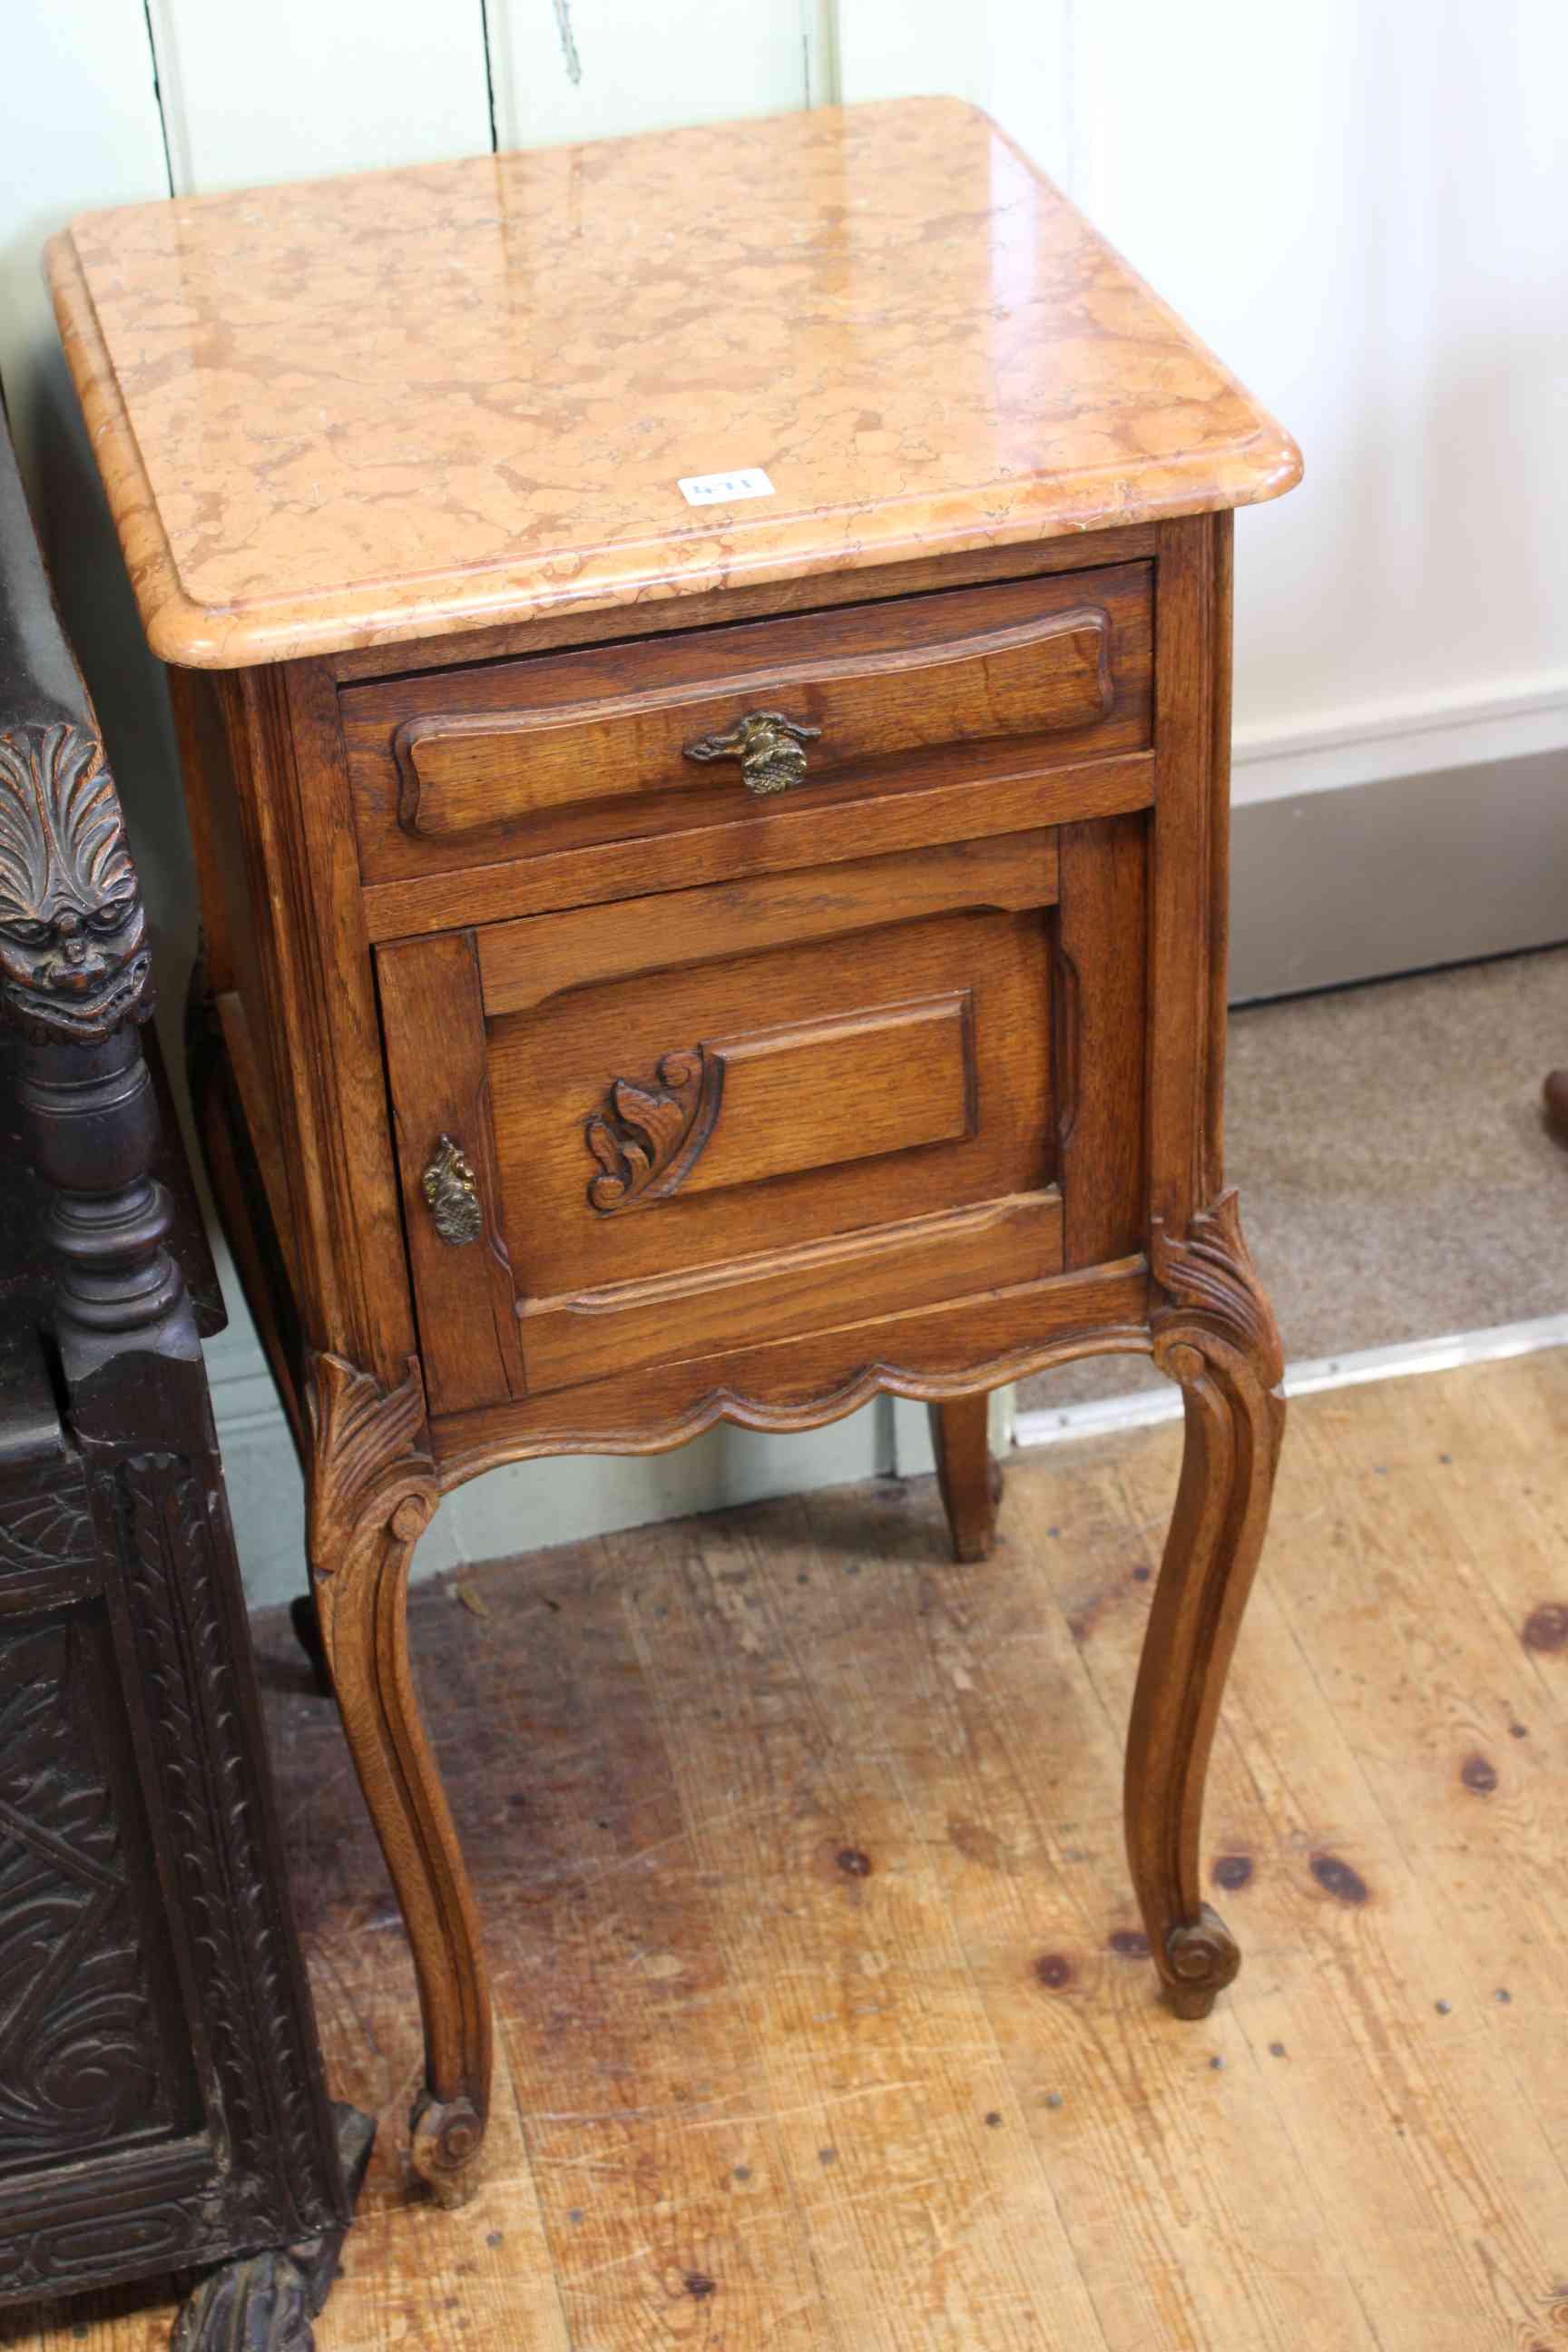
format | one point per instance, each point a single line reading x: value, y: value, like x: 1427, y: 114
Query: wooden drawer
x: 743, y: 1106
x: 587, y: 752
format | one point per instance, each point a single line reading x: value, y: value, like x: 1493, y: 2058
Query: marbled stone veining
x: 350, y: 412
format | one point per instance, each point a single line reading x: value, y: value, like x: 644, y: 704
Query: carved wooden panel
x: 805, y: 1095
x: 161, y: 2105
x: 176, y: 1537
x: 866, y: 1082
x: 158, y: 2107
x: 766, y: 1100
x: 89, y: 2057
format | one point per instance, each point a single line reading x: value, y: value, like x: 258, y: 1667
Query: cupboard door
x: 761, y: 1108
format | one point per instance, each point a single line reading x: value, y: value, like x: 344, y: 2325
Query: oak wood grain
x: 839, y: 823
x: 1215, y: 1334
x: 1103, y: 1032
x: 433, y: 1018
x: 796, y: 1175
x: 799, y: 1095
x: 783, y: 1292
x: 580, y: 747
x: 1188, y: 874
x: 928, y: 1353
x: 522, y: 964
x: 925, y: 1057
x: 462, y: 773
x: 317, y: 1008
x: 371, y: 1493
x: 1360, y: 2170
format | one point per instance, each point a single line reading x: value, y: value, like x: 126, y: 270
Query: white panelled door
x: 566, y: 70
x: 300, y: 88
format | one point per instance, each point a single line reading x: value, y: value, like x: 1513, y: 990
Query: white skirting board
x: 1399, y: 847
x: 1105, y: 1416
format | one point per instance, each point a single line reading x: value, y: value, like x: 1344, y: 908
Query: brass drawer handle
x: 769, y: 746
x: 448, y: 1185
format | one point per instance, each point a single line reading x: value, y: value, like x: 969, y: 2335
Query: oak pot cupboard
x: 702, y: 666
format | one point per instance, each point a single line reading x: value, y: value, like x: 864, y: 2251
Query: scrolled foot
x: 1202, y: 1957
x: 448, y: 2141
x: 260, y: 2304
x: 374, y: 1489
x: 1214, y: 1335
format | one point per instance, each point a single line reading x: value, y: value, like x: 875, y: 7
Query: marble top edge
x: 531, y: 353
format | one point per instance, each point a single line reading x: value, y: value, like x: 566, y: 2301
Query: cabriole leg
x: 1217, y: 1337
x: 373, y: 1493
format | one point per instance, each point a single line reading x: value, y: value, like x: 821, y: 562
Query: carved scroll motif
x: 649, y: 1136
x: 374, y: 1488
x: 1215, y: 1335
x: 73, y: 956
x: 1210, y: 1281
x: 370, y: 1467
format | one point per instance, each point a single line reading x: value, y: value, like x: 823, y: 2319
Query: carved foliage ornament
x: 649, y: 1136
x: 370, y: 1467
x: 79, y: 2065
x: 73, y: 958
x: 1210, y: 1281
x: 174, y: 1572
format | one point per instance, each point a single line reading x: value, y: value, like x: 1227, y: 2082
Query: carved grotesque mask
x: 73, y: 960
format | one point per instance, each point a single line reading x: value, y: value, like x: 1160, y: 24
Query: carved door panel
x: 161, y: 2106
x: 627, y: 1130
x: 92, y: 2059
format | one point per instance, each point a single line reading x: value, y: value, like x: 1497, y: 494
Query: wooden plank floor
x: 823, y: 2020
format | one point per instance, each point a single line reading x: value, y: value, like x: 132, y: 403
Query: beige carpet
x: 1396, y: 1180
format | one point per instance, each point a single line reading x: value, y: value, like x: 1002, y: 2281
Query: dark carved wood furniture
x: 690, y: 944
x: 161, y: 2105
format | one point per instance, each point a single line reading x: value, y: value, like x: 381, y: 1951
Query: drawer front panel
x: 621, y: 742
x: 798, y: 1092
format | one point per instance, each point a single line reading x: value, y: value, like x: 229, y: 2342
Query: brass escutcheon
x: 768, y: 745
x: 448, y: 1183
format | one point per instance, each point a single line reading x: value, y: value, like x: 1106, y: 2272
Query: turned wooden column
x: 164, y: 2108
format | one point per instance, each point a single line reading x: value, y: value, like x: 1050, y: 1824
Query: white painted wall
x: 298, y: 88
x: 567, y: 70
x: 1362, y: 209
x: 1366, y: 211
x: 106, y: 102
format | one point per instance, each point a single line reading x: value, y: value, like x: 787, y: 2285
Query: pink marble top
x: 401, y: 404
